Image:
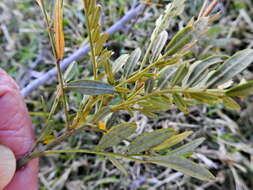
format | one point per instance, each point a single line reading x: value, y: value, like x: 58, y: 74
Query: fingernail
x: 7, y: 166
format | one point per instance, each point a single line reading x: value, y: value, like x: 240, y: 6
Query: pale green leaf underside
x: 148, y: 140
x: 189, y: 147
x: 198, y: 68
x: 132, y: 62
x: 115, y: 135
x: 241, y: 90
x: 118, y: 165
x: 183, y: 165
x: 90, y: 87
x: 71, y: 72
x: 172, y: 141
x: 119, y: 63
x: 231, y: 67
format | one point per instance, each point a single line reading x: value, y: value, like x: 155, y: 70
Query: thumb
x: 7, y: 166
x: 16, y: 132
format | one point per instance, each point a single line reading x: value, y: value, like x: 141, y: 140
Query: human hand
x: 16, y: 133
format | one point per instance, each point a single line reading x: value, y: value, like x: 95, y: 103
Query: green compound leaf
x: 240, y: 90
x: 183, y: 165
x: 100, y: 42
x: 148, y: 140
x: 116, y: 135
x: 149, y: 85
x: 231, y: 67
x: 155, y: 104
x: 172, y: 9
x: 176, y: 8
x: 119, y: 62
x: 95, y: 17
x: 205, y: 98
x: 165, y: 76
x: 118, y: 165
x: 132, y: 62
x: 158, y: 46
x: 90, y: 87
x: 95, y: 34
x: 180, y: 74
x: 198, y: 68
x: 71, y: 72
x: 160, y: 103
x: 230, y: 103
x: 182, y: 38
x: 180, y: 103
x: 148, y: 113
x: 167, y: 62
x: 189, y: 147
x: 201, y: 82
x: 101, y: 114
x: 172, y: 141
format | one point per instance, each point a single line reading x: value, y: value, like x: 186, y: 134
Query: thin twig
x: 80, y: 52
x: 93, y: 57
x: 57, y: 141
x: 22, y: 162
x: 62, y: 92
x: 210, y: 7
x: 203, y: 8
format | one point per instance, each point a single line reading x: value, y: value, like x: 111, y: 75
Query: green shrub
x: 150, y: 81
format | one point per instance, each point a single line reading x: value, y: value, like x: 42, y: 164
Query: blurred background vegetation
x: 25, y: 54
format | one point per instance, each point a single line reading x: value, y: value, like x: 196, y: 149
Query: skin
x: 16, y: 133
x: 7, y: 165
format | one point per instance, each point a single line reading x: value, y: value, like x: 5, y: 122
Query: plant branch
x: 167, y: 91
x: 93, y: 57
x: 210, y: 8
x: 94, y: 152
x: 51, y: 38
x: 80, y: 52
x: 62, y: 94
x: 21, y: 163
